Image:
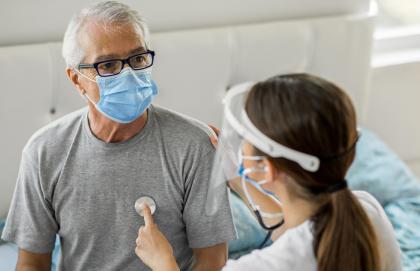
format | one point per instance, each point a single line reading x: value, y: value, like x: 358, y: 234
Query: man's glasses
x: 114, y: 66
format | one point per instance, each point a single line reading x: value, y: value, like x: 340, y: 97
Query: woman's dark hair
x: 314, y: 116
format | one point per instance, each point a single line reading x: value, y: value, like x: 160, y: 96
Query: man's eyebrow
x: 138, y: 50
x: 106, y: 57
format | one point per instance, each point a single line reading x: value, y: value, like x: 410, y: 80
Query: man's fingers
x: 147, y: 214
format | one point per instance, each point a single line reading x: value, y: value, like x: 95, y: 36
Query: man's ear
x: 75, y: 80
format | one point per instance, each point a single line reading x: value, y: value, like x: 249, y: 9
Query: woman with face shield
x: 285, y: 146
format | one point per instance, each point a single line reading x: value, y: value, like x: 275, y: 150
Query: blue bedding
x: 405, y: 217
x: 380, y: 172
x: 376, y: 170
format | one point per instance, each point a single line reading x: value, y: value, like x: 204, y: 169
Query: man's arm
x: 31, y: 220
x: 210, y: 258
x: 28, y: 261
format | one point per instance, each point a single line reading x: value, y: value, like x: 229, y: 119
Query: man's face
x: 114, y: 41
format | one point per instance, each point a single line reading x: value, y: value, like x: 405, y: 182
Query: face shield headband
x: 237, y: 127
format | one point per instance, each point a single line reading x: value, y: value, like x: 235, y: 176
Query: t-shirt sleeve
x: 30, y: 223
x: 203, y: 230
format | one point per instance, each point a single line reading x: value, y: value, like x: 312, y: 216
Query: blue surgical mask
x: 243, y: 173
x: 125, y: 96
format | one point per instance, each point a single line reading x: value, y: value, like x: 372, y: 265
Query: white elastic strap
x: 262, y: 182
x: 84, y: 95
x: 270, y: 215
x: 253, y: 158
x: 85, y: 76
x: 256, y: 207
x: 87, y: 97
x: 254, y: 169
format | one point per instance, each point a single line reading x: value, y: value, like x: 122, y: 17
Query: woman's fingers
x: 147, y: 214
x: 214, y: 138
x: 151, y: 244
x: 215, y: 129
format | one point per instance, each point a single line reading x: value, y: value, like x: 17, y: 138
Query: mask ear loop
x: 257, y: 185
x: 85, y: 76
x: 255, y: 206
x: 257, y: 212
x: 244, y: 178
x: 269, y: 229
x: 84, y: 95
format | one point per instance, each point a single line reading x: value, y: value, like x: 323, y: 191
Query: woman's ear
x: 271, y: 171
x: 273, y: 174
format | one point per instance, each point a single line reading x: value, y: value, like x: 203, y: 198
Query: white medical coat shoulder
x: 294, y: 249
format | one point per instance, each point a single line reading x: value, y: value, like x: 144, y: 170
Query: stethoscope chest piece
x: 145, y: 200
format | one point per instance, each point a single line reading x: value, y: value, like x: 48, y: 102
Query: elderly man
x: 81, y: 175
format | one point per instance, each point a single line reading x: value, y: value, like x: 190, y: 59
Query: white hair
x: 108, y: 12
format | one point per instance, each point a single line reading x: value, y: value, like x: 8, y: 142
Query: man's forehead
x: 101, y: 42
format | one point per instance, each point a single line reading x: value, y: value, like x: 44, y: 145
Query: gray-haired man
x: 80, y: 176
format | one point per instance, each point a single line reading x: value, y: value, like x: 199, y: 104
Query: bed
x: 202, y: 53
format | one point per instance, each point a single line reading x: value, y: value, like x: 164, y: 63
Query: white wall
x: 394, y: 97
x: 46, y: 20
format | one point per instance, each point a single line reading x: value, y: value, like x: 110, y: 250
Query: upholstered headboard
x: 202, y: 47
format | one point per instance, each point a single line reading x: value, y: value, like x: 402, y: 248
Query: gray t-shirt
x: 72, y: 184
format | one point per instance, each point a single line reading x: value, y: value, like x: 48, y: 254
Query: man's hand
x: 152, y: 246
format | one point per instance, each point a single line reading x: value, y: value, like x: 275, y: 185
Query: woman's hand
x: 152, y: 246
x: 214, y: 138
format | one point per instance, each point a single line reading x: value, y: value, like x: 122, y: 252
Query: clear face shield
x: 237, y: 165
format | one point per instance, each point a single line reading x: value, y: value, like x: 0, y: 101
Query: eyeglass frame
x: 124, y: 61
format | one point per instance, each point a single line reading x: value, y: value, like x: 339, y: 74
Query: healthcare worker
x: 289, y: 141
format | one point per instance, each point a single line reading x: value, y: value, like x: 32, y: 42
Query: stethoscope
x: 139, y: 204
